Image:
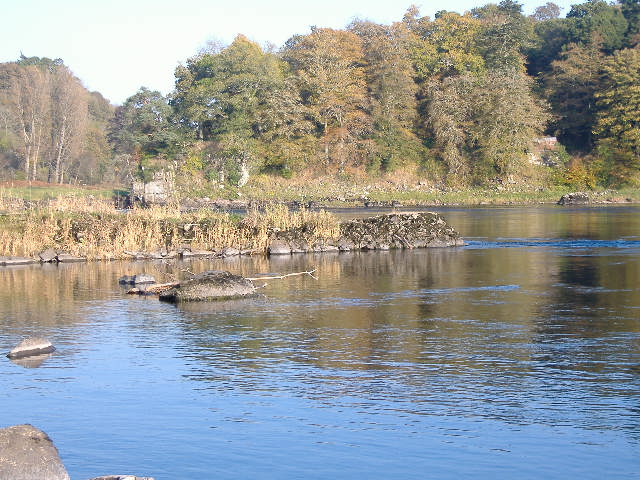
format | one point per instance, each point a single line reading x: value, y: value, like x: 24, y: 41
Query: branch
x: 279, y: 277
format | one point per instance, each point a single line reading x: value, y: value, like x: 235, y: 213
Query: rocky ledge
x: 383, y: 232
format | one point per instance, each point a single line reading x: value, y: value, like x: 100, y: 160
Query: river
x: 516, y: 356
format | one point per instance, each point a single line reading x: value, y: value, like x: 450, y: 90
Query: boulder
x: 31, y: 346
x: 48, y: 256
x: 575, y: 198
x: 279, y: 247
x: 209, y: 286
x: 27, y: 453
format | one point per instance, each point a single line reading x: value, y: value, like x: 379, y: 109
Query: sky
x: 117, y: 46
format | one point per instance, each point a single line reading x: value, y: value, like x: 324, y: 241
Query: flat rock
x: 27, y: 453
x: 229, y: 252
x: 9, y: 261
x: 210, y: 286
x: 31, y: 346
x: 68, y: 258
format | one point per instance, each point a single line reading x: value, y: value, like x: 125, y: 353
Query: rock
x: 404, y: 230
x: 10, y: 261
x: 209, y: 286
x: 31, y: 346
x: 137, y: 279
x: 143, y: 278
x: 27, y: 453
x: 575, y: 198
x: 279, y: 247
x: 48, y: 256
x: 68, y: 258
x: 229, y: 252
x: 197, y: 253
x: 121, y: 477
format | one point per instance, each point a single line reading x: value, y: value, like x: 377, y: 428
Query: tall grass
x: 91, y: 228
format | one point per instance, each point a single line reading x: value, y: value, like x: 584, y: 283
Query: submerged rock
x: 31, y: 346
x: 27, y: 453
x: 575, y: 198
x: 209, y: 286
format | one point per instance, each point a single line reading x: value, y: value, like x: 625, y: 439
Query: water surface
x: 516, y: 356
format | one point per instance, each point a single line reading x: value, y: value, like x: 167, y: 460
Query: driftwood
x: 280, y: 277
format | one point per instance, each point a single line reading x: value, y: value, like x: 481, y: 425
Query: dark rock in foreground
x: 27, y: 453
x: 209, y: 286
x: 575, y: 198
x: 29, y: 347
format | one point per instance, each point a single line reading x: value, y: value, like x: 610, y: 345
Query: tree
x: 329, y: 67
x: 597, y: 22
x: 392, y: 91
x: 504, y: 36
x: 548, y: 11
x: 24, y: 95
x: 483, y: 125
x: 229, y: 97
x: 69, y: 117
x: 571, y: 86
x: 618, y: 122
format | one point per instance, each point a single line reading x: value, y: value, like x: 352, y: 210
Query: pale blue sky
x: 116, y: 46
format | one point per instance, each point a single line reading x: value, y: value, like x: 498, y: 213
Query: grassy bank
x: 91, y: 228
x: 407, y: 191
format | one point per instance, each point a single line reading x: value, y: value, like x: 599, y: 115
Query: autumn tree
x: 24, y: 96
x: 329, y: 68
x: 69, y: 118
x: 392, y: 92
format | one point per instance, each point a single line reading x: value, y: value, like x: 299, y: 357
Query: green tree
x: 505, y: 34
x: 143, y: 124
x: 597, y: 22
x: 571, y: 86
x: 618, y: 120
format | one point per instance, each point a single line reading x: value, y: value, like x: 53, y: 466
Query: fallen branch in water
x: 280, y: 277
x: 155, y: 288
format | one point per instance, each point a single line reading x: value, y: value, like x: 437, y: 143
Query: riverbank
x: 322, y: 192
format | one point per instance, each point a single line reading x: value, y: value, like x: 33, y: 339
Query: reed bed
x: 92, y: 228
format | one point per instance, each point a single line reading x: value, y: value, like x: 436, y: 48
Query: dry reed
x: 91, y: 228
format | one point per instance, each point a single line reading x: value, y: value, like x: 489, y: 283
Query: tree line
x: 460, y: 98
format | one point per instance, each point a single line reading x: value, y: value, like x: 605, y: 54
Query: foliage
x: 618, y: 122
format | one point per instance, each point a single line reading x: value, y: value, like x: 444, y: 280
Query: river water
x: 516, y: 356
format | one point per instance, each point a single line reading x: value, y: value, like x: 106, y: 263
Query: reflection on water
x: 514, y: 357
